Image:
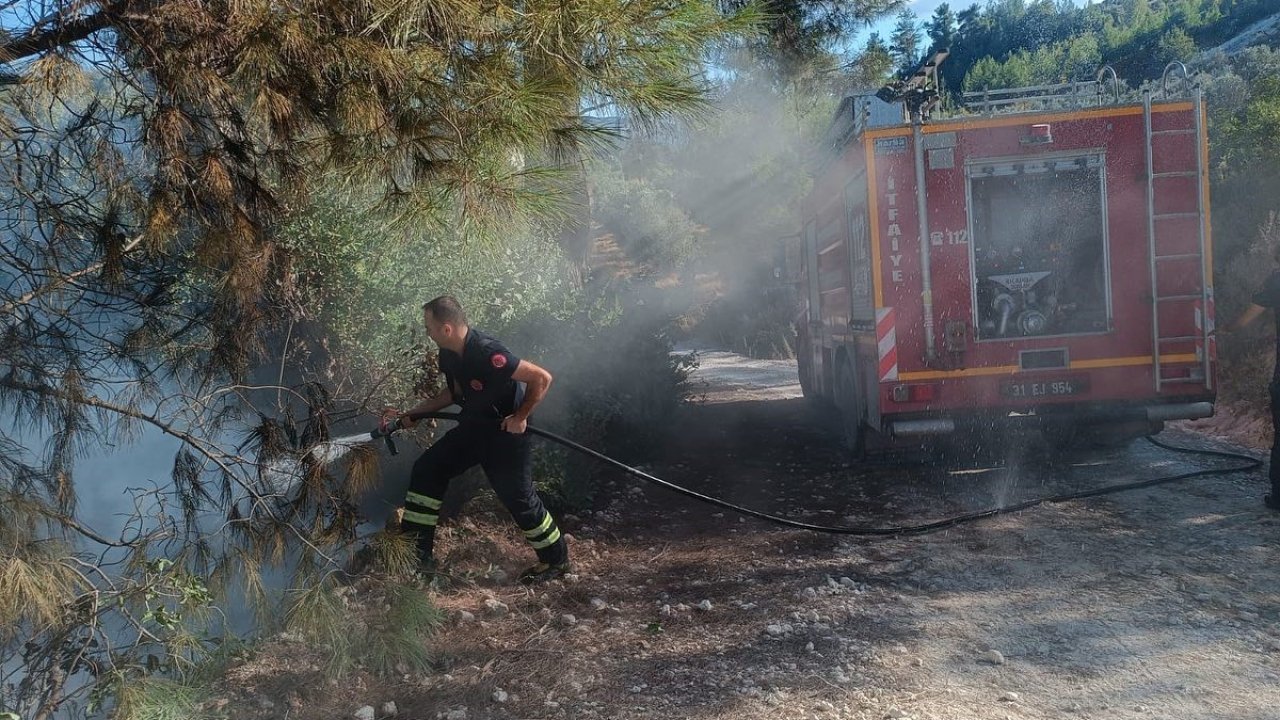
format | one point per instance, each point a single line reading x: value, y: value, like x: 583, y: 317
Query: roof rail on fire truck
x: 1186, y: 87
x: 1103, y: 90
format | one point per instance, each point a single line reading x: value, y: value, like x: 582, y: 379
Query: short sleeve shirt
x: 1269, y: 297
x: 480, y: 377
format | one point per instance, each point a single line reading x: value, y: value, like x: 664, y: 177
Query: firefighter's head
x: 446, y: 322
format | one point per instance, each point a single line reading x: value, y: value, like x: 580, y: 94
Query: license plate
x: 1045, y: 388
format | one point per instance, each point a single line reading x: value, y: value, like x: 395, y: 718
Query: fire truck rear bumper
x: 921, y: 427
x: 1179, y: 411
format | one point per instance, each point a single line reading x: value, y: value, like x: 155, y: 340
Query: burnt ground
x: 1157, y: 603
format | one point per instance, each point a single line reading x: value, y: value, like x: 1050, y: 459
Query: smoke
x: 738, y: 176
x: 105, y: 472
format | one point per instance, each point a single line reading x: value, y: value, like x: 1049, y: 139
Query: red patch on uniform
x: 499, y: 360
x: 477, y: 385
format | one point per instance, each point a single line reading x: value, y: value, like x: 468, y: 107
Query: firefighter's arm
x: 430, y: 405
x: 536, y: 380
x: 1250, y: 314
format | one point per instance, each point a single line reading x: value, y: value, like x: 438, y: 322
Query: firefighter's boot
x: 542, y: 572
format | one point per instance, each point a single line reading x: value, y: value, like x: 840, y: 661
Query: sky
x: 923, y: 9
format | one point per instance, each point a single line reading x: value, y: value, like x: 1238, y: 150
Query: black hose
x: 1251, y: 463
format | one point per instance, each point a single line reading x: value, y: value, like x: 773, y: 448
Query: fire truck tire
x: 853, y: 412
x: 804, y: 368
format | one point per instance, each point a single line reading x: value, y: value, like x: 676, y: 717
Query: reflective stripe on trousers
x: 545, y: 534
x: 421, y: 510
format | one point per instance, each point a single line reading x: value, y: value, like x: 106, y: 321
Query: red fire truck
x: 1044, y: 258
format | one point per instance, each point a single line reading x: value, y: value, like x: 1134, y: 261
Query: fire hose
x: 387, y: 428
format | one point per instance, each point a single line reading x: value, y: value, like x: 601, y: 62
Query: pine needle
x: 396, y: 552
x: 319, y: 615
x: 154, y: 698
x: 35, y: 587
x: 402, y: 637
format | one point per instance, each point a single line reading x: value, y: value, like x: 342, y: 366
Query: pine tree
x: 941, y: 28
x: 155, y: 150
x: 905, y: 41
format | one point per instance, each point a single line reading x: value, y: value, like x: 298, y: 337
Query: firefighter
x: 497, y: 392
x: 1268, y: 298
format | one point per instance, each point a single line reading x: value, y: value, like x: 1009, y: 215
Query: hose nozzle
x: 388, y: 425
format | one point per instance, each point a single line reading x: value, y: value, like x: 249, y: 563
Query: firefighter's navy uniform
x: 481, y: 384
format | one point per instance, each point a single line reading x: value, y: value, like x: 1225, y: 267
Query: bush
x: 1246, y: 359
x: 647, y: 221
x: 618, y: 382
x: 754, y: 319
x: 363, y: 290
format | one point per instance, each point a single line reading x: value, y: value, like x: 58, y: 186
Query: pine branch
x: 62, y: 34
x: 192, y: 441
x: 64, y: 280
x: 79, y: 527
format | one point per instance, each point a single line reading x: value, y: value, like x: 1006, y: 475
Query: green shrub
x: 647, y: 221
x: 1246, y: 358
x: 754, y: 319
x: 618, y: 382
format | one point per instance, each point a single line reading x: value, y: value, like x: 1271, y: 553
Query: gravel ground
x: 1157, y: 603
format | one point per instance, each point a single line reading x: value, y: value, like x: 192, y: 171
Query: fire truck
x: 1042, y: 257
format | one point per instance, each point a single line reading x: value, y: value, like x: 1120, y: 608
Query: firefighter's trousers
x: 507, y: 461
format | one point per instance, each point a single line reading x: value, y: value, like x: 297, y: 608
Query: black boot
x: 542, y: 572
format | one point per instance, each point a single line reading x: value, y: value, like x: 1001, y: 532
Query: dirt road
x: 1160, y: 603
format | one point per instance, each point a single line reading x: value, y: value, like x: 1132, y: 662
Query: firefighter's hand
x: 514, y: 424
x: 397, y: 419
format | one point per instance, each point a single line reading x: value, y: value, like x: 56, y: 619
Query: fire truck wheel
x: 852, y: 412
x: 804, y: 368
